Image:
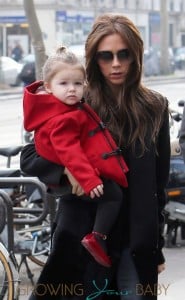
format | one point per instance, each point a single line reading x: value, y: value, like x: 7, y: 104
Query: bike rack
x: 42, y: 189
x: 11, y: 221
x: 9, y: 205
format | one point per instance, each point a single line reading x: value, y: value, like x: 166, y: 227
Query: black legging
x: 108, y: 207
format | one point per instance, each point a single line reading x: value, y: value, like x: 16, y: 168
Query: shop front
x: 14, y: 34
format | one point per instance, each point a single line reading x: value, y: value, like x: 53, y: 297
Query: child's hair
x: 55, y: 61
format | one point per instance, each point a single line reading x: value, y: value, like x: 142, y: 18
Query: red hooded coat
x: 73, y: 136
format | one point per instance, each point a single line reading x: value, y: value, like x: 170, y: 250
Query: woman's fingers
x: 100, y: 189
x: 76, y: 188
x: 97, y: 191
x: 161, y: 268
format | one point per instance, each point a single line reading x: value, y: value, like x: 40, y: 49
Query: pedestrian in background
x: 28, y: 73
x: 182, y: 135
x: 17, y: 52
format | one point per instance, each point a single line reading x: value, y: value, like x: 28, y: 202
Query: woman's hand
x: 161, y: 268
x: 76, y: 188
x: 97, y: 191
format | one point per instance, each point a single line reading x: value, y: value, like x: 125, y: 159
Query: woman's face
x: 114, y: 59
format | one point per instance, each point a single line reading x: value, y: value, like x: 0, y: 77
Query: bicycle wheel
x: 42, y: 249
x: 40, y: 261
x: 2, y: 215
x: 38, y: 240
x: 6, y: 279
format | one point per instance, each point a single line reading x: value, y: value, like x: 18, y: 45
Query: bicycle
x: 31, y: 248
x: 9, y: 276
x: 34, y: 241
x: 32, y: 219
x: 10, y: 152
x: 27, y: 201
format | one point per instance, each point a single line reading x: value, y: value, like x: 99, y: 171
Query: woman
x: 138, y: 118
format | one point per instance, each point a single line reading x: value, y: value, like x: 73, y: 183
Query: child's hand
x: 97, y: 191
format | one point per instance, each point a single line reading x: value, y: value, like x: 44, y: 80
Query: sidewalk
x: 6, y: 90
x: 172, y: 280
x: 179, y: 75
x: 171, y: 284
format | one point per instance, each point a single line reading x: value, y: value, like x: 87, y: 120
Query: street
x: 11, y: 119
x: 172, y: 280
x: 173, y: 91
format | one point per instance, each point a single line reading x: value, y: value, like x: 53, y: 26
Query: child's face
x: 67, y: 85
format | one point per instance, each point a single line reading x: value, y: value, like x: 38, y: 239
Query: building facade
x: 69, y: 21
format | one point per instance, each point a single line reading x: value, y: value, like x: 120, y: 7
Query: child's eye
x: 78, y: 83
x: 63, y: 82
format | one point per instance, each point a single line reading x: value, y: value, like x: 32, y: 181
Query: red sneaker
x: 91, y: 243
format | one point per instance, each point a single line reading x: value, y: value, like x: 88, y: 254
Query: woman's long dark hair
x: 137, y: 111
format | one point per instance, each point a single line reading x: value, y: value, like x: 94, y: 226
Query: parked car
x: 180, y: 58
x: 175, y: 207
x: 171, y: 57
x: 28, y: 58
x: 9, y: 70
x: 79, y: 50
x: 176, y: 185
x: 152, y: 62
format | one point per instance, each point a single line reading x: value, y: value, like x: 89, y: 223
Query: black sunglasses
x: 108, y: 56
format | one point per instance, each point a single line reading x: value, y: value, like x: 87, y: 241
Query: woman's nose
x: 115, y: 61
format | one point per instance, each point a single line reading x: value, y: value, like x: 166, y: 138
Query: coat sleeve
x: 162, y: 169
x: 182, y: 135
x: 34, y: 165
x: 71, y: 154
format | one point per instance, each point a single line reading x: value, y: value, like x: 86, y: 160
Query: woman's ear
x: 47, y: 88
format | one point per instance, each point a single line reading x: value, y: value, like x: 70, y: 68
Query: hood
x: 38, y: 108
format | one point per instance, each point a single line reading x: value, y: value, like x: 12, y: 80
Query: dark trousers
x: 127, y: 278
x: 69, y: 262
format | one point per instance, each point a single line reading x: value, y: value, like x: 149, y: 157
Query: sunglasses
x: 107, y: 56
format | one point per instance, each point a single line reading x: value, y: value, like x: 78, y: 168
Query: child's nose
x: 72, y: 87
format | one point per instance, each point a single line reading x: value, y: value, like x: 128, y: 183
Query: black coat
x: 139, y: 226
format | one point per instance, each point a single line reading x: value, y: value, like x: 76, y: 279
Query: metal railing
x: 39, y: 214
